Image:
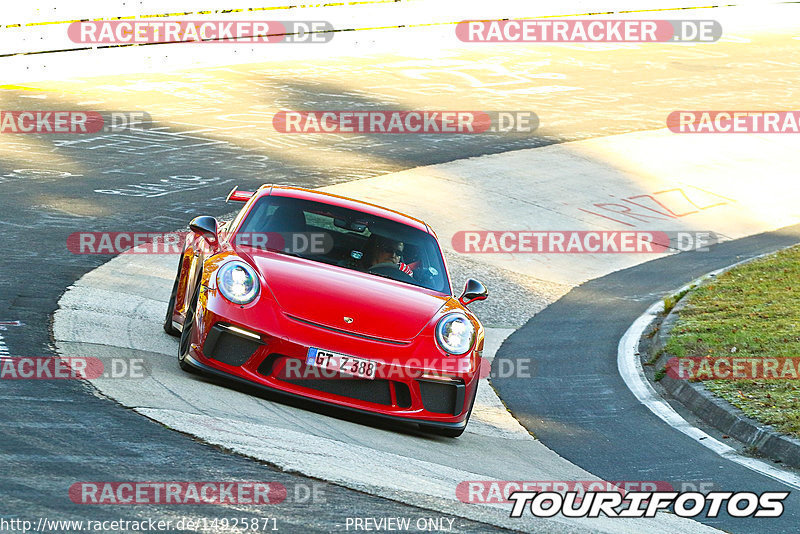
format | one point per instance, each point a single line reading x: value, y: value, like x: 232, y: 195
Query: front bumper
x: 212, y: 371
x: 269, y: 351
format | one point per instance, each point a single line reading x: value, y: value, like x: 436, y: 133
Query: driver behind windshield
x: 386, y: 252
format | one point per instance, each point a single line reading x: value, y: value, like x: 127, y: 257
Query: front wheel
x: 168, y: 326
x: 186, y: 334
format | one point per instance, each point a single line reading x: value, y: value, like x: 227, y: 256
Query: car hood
x: 326, y: 294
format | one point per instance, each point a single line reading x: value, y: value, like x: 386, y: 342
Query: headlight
x: 455, y: 333
x: 238, y: 282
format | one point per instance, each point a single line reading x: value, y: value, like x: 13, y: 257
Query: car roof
x: 343, y: 202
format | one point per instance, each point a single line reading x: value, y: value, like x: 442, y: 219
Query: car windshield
x: 346, y: 238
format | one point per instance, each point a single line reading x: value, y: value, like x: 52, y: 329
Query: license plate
x: 341, y: 363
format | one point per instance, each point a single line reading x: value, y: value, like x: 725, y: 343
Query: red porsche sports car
x: 334, y: 300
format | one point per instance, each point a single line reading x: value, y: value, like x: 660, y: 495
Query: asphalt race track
x: 211, y: 129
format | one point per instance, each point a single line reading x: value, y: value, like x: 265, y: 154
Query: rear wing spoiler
x: 239, y: 196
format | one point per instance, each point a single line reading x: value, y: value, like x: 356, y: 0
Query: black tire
x: 168, y: 328
x: 186, y: 334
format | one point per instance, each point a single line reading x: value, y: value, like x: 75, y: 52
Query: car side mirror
x: 205, y: 226
x: 473, y: 290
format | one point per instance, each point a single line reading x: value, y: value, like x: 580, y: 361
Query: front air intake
x: 442, y: 397
x: 228, y: 346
